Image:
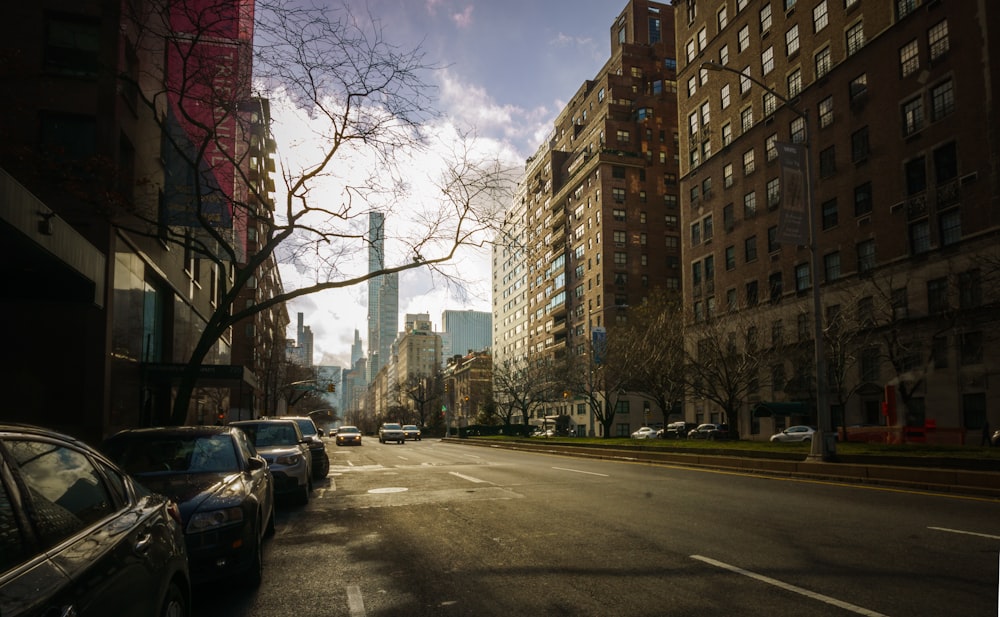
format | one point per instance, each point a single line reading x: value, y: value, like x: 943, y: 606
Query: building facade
x: 383, y: 299
x: 893, y: 105
x: 465, y: 331
x: 600, y: 208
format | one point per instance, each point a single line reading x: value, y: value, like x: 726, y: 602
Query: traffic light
x: 445, y: 387
x: 331, y: 387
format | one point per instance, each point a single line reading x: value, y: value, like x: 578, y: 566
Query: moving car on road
x: 349, y: 436
x: 286, y: 451
x: 78, y: 536
x: 390, y: 431
x: 795, y: 433
x: 411, y: 431
x: 223, y: 488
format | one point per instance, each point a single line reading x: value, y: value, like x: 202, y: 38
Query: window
x: 752, y: 294
x: 820, y: 17
x: 773, y: 246
x: 689, y: 51
x: 855, y: 38
x: 792, y: 40
x: 829, y: 213
x: 823, y: 62
x: 970, y: 290
x: 728, y: 218
x: 971, y: 348
x: 797, y: 130
x: 748, y: 164
x: 771, y: 146
x: 695, y: 234
x: 920, y: 237
x: 72, y: 46
x: 767, y: 60
x: 802, y: 277
x: 859, y: 86
x: 937, y: 39
x: 915, y: 176
x: 744, y: 82
x: 831, y: 266
x: 869, y: 365
x: 618, y: 214
x: 951, y: 227
x: 618, y: 194
x: 623, y: 136
x: 724, y: 96
x: 654, y: 30
x: 827, y: 162
x: 866, y: 256
x: 863, y: 199
x: 743, y: 39
x: 913, y: 116
x: 746, y: 118
x: 723, y: 19
x: 765, y: 17
x: 937, y: 295
x: 741, y: 4
x: 724, y: 55
x: 859, y: 145
x: 905, y: 7
x: 621, y: 258
x: 702, y: 39
x: 775, y: 286
x: 794, y: 83
x: 750, y: 249
x: 730, y: 257
x: 727, y: 175
x: 707, y: 228
x: 770, y: 103
x: 749, y: 205
x: 727, y: 134
x: 942, y: 100
x: 826, y: 112
x: 773, y: 193
x: 619, y: 236
x: 777, y: 332
x: 909, y: 58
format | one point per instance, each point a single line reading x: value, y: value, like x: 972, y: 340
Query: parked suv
x: 284, y: 448
x: 391, y: 432
x: 712, y: 432
x: 676, y: 430
x: 320, y: 460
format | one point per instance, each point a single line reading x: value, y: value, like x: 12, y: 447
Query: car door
x: 261, y: 482
x: 90, y: 531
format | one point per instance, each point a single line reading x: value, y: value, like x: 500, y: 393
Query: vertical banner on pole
x: 793, y: 221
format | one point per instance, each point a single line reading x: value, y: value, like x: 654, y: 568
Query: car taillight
x: 174, y: 511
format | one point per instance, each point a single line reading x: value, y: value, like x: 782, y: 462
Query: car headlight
x: 204, y: 521
x: 288, y: 459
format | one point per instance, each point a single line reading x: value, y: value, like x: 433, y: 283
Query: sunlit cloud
x: 463, y: 19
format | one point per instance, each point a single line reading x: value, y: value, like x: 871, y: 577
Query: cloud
x: 463, y: 19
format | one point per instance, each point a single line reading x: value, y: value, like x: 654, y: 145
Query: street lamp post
x: 822, y: 448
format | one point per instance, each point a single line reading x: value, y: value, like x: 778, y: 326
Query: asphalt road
x: 441, y: 528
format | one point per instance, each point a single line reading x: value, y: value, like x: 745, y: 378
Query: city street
x: 444, y: 528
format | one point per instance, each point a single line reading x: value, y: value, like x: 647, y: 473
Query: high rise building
x: 383, y: 299
x: 465, y: 331
x: 599, y: 208
x: 357, y: 348
x: 894, y: 106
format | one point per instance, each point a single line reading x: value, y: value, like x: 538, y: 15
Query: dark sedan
x: 224, y: 489
x: 711, y: 432
x: 79, y: 537
x: 320, y: 460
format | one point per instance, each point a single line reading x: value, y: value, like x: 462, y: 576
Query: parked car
x: 320, y: 460
x: 538, y: 432
x: 645, y: 432
x: 711, y: 432
x: 390, y: 431
x: 676, y: 430
x: 286, y: 451
x: 224, y: 489
x: 411, y: 431
x: 349, y: 436
x: 79, y: 536
x: 795, y: 433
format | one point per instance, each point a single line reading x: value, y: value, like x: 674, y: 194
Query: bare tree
x: 368, y: 102
x: 655, y: 330
x: 602, y: 376
x: 519, y: 387
x: 424, y: 392
x: 725, y: 361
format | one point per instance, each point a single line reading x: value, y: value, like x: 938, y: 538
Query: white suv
x: 391, y: 432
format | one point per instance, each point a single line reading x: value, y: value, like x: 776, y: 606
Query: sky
x: 507, y: 69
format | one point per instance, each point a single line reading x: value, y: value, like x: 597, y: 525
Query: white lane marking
x: 799, y: 590
x: 350, y: 464
x: 355, y: 603
x: 589, y: 473
x: 967, y: 533
x: 465, y: 477
x: 403, y: 458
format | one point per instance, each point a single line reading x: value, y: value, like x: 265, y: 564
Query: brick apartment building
x: 896, y: 102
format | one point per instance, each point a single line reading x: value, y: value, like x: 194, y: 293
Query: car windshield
x: 348, y: 429
x: 187, y: 454
x: 410, y: 427
x: 307, y: 427
x: 391, y: 427
x: 267, y: 434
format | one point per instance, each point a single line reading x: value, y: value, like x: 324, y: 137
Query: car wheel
x: 255, y: 571
x: 808, y: 440
x: 174, y: 604
x: 269, y: 530
x: 304, y: 494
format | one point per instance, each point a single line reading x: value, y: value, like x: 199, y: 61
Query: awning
x: 766, y: 410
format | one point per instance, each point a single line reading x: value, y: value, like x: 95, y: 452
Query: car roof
x: 173, y: 431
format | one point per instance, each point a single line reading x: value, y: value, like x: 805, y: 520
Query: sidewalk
x: 914, y: 476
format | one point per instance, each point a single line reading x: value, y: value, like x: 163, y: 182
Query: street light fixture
x: 822, y: 448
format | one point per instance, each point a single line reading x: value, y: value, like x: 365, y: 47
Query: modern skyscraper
x: 465, y: 331
x: 383, y: 299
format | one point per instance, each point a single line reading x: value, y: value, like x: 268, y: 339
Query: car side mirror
x: 255, y: 463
